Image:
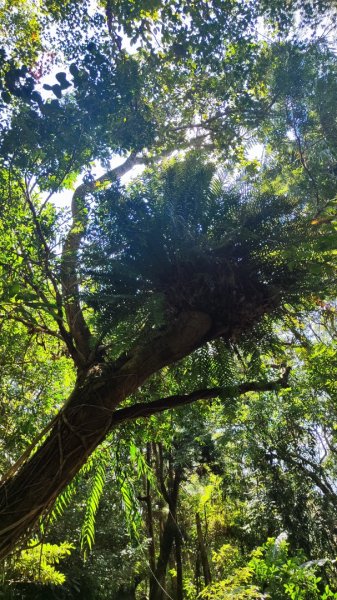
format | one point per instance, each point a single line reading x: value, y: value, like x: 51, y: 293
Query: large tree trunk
x: 84, y: 422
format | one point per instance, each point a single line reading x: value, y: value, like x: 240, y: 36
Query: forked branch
x: 69, y: 263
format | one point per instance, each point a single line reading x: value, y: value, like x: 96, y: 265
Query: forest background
x: 168, y: 334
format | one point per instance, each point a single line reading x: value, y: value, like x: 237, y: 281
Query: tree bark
x: 197, y: 573
x: 179, y: 564
x: 167, y: 540
x: 149, y: 520
x: 84, y: 422
x: 80, y: 341
x: 203, y: 552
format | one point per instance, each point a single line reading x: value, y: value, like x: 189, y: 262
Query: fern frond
x: 93, y: 500
x: 62, y: 502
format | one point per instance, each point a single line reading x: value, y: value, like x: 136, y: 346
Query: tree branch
x: 69, y: 261
x: 44, y: 253
x: 32, y: 326
x: 316, y: 477
x: 146, y: 409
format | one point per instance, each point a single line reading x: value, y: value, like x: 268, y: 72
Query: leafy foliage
x: 194, y: 91
x: 183, y: 240
x: 37, y: 562
x: 270, y: 573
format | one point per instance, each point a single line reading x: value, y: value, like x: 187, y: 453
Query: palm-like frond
x: 190, y: 240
